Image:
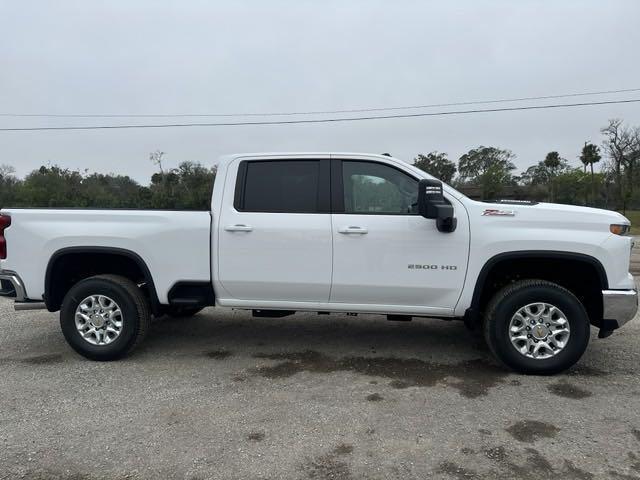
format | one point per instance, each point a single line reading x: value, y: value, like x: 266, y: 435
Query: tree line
x: 489, y: 172
x: 187, y: 187
x: 483, y: 172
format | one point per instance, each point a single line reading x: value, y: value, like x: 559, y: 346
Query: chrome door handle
x: 239, y: 227
x: 353, y: 229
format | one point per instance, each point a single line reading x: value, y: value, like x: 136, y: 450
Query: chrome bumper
x: 619, y: 306
x: 18, y: 286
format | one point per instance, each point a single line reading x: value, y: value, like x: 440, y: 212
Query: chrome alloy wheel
x: 99, y: 320
x: 539, y: 330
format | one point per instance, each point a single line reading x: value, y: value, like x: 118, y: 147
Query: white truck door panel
x: 273, y: 244
x: 384, y: 252
x: 399, y: 261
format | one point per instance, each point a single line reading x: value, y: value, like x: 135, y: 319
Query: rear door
x: 385, y: 253
x: 275, y: 240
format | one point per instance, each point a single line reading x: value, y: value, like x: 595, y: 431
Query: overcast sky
x: 141, y: 57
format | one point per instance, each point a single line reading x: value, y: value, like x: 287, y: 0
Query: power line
x: 319, y: 120
x: 316, y: 112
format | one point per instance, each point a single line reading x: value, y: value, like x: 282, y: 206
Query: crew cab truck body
x: 330, y: 233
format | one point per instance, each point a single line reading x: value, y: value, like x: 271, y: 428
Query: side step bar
x: 23, y: 306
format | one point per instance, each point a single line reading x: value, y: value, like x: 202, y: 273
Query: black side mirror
x: 432, y: 204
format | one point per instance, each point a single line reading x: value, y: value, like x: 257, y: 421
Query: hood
x: 563, y: 216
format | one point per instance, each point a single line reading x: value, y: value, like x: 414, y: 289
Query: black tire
x: 509, y: 300
x: 181, y: 312
x: 132, y: 303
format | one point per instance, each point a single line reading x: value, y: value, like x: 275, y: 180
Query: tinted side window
x: 281, y: 186
x: 371, y: 187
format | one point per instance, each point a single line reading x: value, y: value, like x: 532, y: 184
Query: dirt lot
x: 223, y: 395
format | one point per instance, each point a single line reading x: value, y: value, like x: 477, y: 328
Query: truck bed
x: 175, y: 245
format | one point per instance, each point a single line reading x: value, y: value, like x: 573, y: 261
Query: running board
x: 22, y: 306
x: 272, y: 313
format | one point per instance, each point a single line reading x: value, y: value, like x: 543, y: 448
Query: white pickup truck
x: 330, y: 233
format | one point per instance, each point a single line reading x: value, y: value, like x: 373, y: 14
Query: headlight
x: 619, y: 229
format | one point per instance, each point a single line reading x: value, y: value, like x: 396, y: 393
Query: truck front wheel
x: 104, y: 317
x: 536, y: 327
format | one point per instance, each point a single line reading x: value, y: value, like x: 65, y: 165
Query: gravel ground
x: 223, y: 395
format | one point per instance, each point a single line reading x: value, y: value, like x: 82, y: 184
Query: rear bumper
x: 619, y: 306
x: 18, y: 286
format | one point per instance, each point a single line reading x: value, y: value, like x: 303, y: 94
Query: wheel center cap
x: 540, y: 331
x: 97, y: 320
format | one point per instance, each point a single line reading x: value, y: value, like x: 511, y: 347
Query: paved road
x: 226, y: 396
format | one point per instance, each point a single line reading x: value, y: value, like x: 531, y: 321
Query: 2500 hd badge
x: 417, y: 266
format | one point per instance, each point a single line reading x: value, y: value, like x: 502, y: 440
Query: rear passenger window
x: 289, y: 186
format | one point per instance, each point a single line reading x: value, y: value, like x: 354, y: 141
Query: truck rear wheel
x: 104, y: 317
x: 536, y: 327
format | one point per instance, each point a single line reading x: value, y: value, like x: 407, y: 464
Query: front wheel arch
x: 581, y: 274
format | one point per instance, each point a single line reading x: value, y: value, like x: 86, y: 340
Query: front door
x: 385, y: 253
x: 275, y: 235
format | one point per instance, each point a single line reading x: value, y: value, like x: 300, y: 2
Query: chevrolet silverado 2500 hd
x: 330, y: 233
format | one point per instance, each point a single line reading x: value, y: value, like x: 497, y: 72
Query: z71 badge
x: 493, y: 212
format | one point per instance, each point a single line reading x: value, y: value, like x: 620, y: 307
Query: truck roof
x: 294, y: 155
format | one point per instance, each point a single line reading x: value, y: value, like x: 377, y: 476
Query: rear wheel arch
x: 581, y: 274
x: 68, y: 266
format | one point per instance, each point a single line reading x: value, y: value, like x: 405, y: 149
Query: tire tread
x: 142, y: 305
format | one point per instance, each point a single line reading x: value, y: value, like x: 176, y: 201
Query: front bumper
x: 619, y: 306
x: 18, y: 286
